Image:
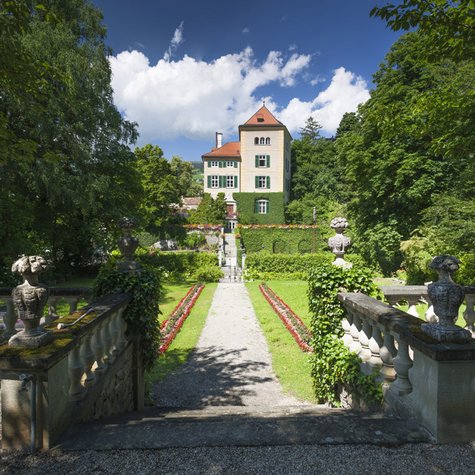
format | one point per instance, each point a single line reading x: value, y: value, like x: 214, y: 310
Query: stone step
x: 229, y: 426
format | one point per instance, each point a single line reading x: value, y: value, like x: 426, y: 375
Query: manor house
x: 254, y: 173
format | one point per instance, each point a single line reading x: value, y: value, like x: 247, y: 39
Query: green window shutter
x: 256, y: 206
x: 235, y: 164
x: 235, y: 181
x: 268, y: 207
x: 209, y: 163
x: 257, y: 181
x: 220, y: 164
x: 257, y: 161
x: 267, y: 181
x: 209, y: 181
x: 221, y: 181
x: 267, y: 161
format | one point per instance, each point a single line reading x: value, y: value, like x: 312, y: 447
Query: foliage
x: 334, y: 366
x: 450, y: 25
x: 246, y: 208
x: 279, y: 239
x: 141, y: 314
x: 65, y: 163
x: 193, y: 240
x: 210, y: 210
x: 417, y: 254
x: 264, y: 265
x: 466, y: 273
x: 182, y: 172
x: 208, y: 273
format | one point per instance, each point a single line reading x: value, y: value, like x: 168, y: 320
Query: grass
x: 187, y: 338
x: 291, y: 365
x: 294, y: 294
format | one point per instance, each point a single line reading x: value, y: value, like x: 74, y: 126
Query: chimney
x: 219, y: 139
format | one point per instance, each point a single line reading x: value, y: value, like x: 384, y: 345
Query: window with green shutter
x: 257, y: 182
x: 235, y: 181
x: 267, y: 161
x: 221, y: 164
x: 235, y: 165
x: 222, y: 181
x: 267, y: 181
x: 209, y: 164
x: 209, y: 181
x: 257, y: 161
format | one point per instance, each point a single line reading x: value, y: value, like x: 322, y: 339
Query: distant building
x: 254, y: 173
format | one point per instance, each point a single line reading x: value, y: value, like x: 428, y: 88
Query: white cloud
x: 245, y: 30
x: 193, y: 98
x: 176, y: 41
x: 345, y: 92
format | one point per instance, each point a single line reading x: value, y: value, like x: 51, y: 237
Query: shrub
x: 142, y: 312
x: 333, y: 365
x: 466, y: 274
x: 246, y: 208
x: 208, y: 274
x: 267, y: 266
x: 417, y: 254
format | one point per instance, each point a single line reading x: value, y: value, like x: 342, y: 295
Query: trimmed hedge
x: 246, y: 208
x: 281, y: 240
x: 266, y: 266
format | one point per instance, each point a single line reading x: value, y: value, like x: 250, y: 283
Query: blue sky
x: 186, y: 69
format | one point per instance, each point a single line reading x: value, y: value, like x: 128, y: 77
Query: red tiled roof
x: 263, y: 117
x: 229, y: 149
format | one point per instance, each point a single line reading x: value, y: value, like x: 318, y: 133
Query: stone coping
x: 43, y: 358
x: 55, y: 291
x: 415, y: 290
x: 408, y: 327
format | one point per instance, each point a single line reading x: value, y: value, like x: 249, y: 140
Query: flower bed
x: 170, y: 327
x: 299, y: 331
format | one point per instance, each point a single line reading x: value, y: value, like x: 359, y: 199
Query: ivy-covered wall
x: 286, y: 239
x: 246, y: 203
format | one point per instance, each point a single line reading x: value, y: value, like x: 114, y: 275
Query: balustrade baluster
x: 364, y: 336
x: 115, y: 331
x: 430, y: 315
x: 73, y: 303
x: 88, y: 358
x: 122, y: 329
x: 106, y: 334
x: 469, y: 314
x: 387, y: 353
x: 76, y: 372
x: 375, y: 343
x: 52, y: 312
x: 98, y: 347
x: 412, y: 302
x: 355, y: 345
x: 346, y: 324
x: 402, y: 365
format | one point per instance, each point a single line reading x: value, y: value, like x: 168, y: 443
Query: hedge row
x: 267, y: 266
x: 246, y: 203
x: 281, y: 240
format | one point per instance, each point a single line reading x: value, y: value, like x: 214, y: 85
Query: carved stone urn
x: 339, y: 242
x: 446, y: 297
x: 127, y: 246
x: 29, y: 300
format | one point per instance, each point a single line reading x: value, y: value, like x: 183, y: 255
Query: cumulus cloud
x: 176, y: 41
x: 345, y: 92
x: 194, y: 98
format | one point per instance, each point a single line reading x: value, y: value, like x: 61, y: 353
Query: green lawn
x: 187, y: 338
x: 294, y: 294
x: 172, y: 293
x: 290, y: 363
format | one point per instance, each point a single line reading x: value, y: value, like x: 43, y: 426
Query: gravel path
x: 231, y: 364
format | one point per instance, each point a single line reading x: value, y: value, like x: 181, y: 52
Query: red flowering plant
x: 299, y: 331
x: 172, y: 325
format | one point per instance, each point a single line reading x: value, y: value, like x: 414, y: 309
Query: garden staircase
x: 231, y: 270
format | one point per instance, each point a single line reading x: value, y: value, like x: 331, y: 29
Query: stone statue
x: 446, y: 297
x: 339, y: 242
x: 29, y: 300
x: 127, y: 246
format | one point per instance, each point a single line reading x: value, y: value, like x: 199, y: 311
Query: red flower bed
x: 301, y: 334
x: 170, y: 327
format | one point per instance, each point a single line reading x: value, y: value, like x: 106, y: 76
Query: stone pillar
x: 127, y: 246
x: 339, y: 242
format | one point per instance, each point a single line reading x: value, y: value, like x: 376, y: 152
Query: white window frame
x: 262, y: 161
x: 230, y: 164
x: 262, y: 206
x: 262, y: 182
x: 214, y: 163
x: 214, y: 181
x: 230, y: 180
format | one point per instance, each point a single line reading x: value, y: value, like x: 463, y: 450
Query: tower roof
x: 263, y: 117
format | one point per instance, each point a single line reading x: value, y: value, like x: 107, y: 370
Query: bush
x: 208, y: 274
x: 142, y: 312
x: 417, y: 254
x: 286, y: 239
x: 466, y: 273
x: 267, y: 266
x: 333, y: 365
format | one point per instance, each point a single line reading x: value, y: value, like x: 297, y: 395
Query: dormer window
x: 260, y: 118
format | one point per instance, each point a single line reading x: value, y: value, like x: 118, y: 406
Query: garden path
x: 231, y: 364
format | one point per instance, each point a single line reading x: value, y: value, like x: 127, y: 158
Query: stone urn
x: 446, y: 297
x: 339, y: 242
x: 127, y: 245
x: 29, y: 300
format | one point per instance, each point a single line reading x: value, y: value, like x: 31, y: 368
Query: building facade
x: 259, y: 164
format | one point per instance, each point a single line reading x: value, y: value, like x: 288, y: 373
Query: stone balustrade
x: 72, y: 296
x: 90, y: 370
x: 421, y: 377
x: 416, y: 294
